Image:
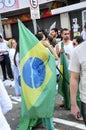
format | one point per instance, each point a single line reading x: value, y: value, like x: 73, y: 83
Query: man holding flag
x: 65, y: 48
x: 38, y: 81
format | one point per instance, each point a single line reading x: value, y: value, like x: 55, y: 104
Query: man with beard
x: 68, y: 44
x: 68, y: 49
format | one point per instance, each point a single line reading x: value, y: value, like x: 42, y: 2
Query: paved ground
x: 61, y: 116
x: 61, y: 113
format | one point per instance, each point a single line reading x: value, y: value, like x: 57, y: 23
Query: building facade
x: 10, y: 27
x: 72, y: 19
x: 73, y: 16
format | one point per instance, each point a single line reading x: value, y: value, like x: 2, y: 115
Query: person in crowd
x: 83, y: 33
x: 68, y: 44
x: 77, y: 40
x: 54, y: 33
x: 48, y: 121
x: 59, y: 37
x: 17, y: 71
x: 46, y: 43
x: 12, y: 45
x: 78, y: 75
x: 40, y: 36
x: 5, y: 63
x: 42, y: 31
x: 68, y: 48
x: 52, y: 41
x: 5, y: 106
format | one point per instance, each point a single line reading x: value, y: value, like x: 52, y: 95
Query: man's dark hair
x: 43, y: 32
x: 85, y: 26
x: 55, y: 29
x: 39, y: 36
x: 64, y: 29
x: 79, y: 39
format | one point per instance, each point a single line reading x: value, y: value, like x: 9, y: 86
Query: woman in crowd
x: 12, y: 44
x: 17, y: 71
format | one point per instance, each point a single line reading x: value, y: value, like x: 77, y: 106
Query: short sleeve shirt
x: 78, y: 65
x: 83, y: 34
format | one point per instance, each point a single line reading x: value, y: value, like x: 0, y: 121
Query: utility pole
x: 35, y: 13
x: 1, y: 28
x: 34, y: 25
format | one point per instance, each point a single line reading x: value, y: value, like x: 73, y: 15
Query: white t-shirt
x: 5, y: 106
x: 78, y: 64
x: 18, y: 62
x: 83, y: 34
x: 67, y: 48
x: 4, y: 47
x: 11, y: 55
x: 5, y: 102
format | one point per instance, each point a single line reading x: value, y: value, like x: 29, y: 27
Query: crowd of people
x: 10, y: 71
x: 75, y: 55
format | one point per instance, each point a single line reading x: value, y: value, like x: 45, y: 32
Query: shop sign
x: 8, y: 5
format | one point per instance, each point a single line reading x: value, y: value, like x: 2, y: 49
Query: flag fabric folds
x: 64, y: 83
x: 38, y: 78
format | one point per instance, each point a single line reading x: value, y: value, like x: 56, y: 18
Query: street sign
x: 34, y: 9
x: 35, y: 13
x: 34, y: 3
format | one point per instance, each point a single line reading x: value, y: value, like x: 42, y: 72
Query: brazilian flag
x: 64, y: 80
x: 38, y: 79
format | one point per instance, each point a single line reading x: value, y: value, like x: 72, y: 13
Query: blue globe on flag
x: 34, y: 72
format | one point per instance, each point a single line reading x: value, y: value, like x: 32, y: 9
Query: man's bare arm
x: 74, y: 79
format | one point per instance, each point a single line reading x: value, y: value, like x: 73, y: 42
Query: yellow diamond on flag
x: 35, y: 73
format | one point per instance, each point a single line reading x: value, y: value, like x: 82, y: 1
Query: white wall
x: 23, y: 3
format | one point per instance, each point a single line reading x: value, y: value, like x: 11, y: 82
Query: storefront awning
x: 69, y: 8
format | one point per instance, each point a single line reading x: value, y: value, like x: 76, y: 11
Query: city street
x: 56, y: 23
x: 62, y: 118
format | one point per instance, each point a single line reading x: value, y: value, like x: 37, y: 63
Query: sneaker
x: 5, y: 79
x: 80, y: 119
x: 12, y: 79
